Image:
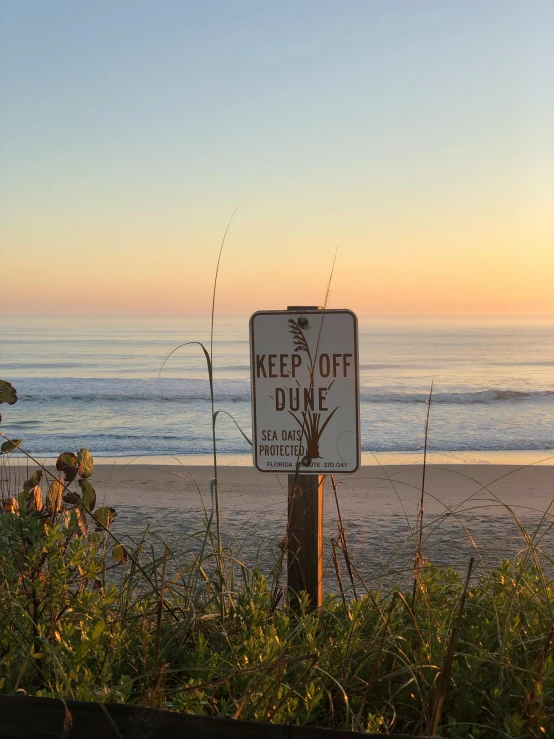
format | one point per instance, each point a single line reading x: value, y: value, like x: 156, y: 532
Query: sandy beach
x: 481, y: 510
x: 470, y: 510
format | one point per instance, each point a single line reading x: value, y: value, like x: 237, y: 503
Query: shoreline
x: 518, y: 457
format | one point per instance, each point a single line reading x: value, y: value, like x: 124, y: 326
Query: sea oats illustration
x: 299, y: 340
x: 312, y: 430
x: 311, y: 423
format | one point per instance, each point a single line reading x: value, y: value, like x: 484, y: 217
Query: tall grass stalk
x: 214, y: 414
x: 212, y: 402
x: 419, y: 561
x: 342, y: 538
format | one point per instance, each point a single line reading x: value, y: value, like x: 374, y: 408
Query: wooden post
x: 305, y: 537
x: 305, y: 528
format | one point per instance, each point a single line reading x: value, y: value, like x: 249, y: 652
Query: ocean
x: 96, y: 383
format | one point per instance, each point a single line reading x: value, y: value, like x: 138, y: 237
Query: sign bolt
x: 303, y: 322
x: 306, y: 461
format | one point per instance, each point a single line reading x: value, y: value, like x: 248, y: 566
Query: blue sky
x: 132, y: 129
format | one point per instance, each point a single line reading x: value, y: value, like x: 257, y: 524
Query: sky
x: 415, y: 136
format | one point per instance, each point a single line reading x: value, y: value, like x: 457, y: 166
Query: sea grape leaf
x: 33, y: 481
x: 105, y: 515
x: 82, y: 521
x: 35, y: 498
x: 9, y: 446
x: 10, y: 505
x: 70, y: 497
x: 54, y: 496
x: 32, y: 498
x: 120, y: 554
x: 86, y: 463
x: 89, y: 494
x: 8, y: 393
x: 67, y: 463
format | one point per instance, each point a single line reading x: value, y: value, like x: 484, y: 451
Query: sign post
x: 305, y: 537
x: 305, y: 410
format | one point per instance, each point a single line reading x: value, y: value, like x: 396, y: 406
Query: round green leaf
x: 119, y: 553
x: 86, y: 464
x: 105, y: 515
x: 7, y: 393
x: 70, y: 497
x: 81, y: 520
x: 89, y: 494
x: 32, y: 499
x: 9, y: 446
x: 67, y: 463
x: 10, y: 505
x: 54, y: 496
x: 33, y: 481
x: 35, y: 498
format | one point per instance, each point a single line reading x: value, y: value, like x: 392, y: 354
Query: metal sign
x: 305, y: 400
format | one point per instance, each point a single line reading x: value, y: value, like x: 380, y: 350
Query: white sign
x: 305, y: 405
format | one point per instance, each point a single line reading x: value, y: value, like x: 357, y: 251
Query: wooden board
x: 24, y: 717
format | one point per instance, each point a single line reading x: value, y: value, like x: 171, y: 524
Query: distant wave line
x: 49, y: 445
x: 493, y: 395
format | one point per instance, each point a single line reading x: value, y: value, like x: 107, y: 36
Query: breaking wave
x: 237, y: 391
x: 463, y: 398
